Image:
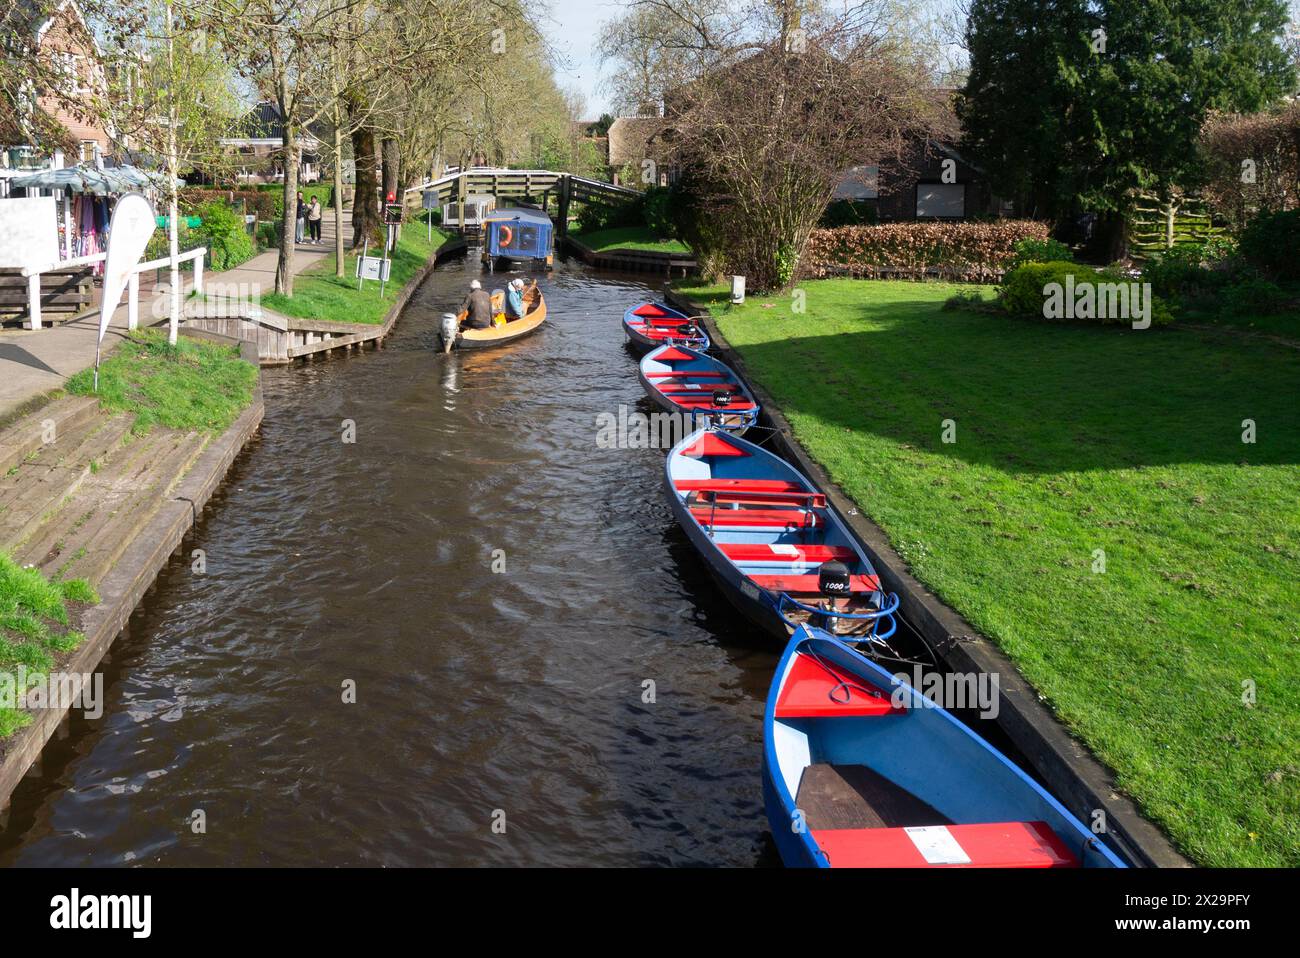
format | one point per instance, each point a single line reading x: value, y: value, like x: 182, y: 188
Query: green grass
x: 194, y: 385
x: 319, y: 294
x: 629, y: 237
x: 33, y: 628
x: 1071, y: 439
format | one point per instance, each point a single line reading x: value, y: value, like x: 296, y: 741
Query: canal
x: 499, y: 590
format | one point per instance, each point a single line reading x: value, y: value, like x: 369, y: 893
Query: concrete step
x: 95, y: 539
x: 26, y: 434
x: 39, y: 486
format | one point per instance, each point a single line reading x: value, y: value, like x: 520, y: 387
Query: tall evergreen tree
x: 1078, y: 105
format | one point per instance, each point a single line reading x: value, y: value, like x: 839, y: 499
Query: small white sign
x: 429, y: 199
x: 936, y: 845
x: 373, y: 267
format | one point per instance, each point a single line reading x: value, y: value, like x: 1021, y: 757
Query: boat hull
x: 996, y: 815
x: 640, y: 342
x: 735, y: 421
x: 511, y: 332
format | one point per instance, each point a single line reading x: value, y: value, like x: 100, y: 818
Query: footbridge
x: 541, y: 185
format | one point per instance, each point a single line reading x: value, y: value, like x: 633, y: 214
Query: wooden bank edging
x: 282, y: 339
x: 631, y: 259
x: 131, y: 576
x: 1069, y: 770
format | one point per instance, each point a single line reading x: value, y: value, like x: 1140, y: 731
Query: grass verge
x: 319, y: 294
x: 1080, y: 449
x: 34, y: 628
x: 194, y: 385
x: 629, y: 237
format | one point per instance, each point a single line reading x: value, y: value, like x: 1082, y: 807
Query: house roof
x: 263, y: 122
x: 630, y: 136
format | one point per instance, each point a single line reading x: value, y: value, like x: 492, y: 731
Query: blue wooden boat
x: 862, y: 771
x: 651, y: 325
x: 699, y: 388
x: 515, y: 237
x: 780, y: 553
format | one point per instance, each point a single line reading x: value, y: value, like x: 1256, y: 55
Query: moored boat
x: 518, y: 237
x: 502, y: 330
x: 650, y: 325
x: 698, y: 387
x: 862, y: 771
x: 780, y: 553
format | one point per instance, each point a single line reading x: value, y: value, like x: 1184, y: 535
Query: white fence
x: 33, y: 276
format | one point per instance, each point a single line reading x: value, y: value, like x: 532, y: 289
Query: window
x: 88, y: 151
x: 859, y: 183
x: 942, y: 200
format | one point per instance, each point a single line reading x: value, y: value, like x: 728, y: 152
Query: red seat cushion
x: 805, y: 584
x: 807, y: 693
x: 992, y: 845
x: 795, y: 552
x: 757, y: 518
x: 738, y: 485
x: 706, y: 402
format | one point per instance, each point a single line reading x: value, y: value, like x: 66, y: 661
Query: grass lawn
x: 629, y: 237
x: 193, y: 385
x: 34, y: 627
x: 319, y: 294
x: 1069, y: 440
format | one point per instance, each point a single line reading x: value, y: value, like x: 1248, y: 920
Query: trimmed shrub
x: 1025, y: 293
x: 223, y: 233
x: 1252, y: 295
x: 1271, y: 243
x: 977, y: 252
x: 1041, y: 251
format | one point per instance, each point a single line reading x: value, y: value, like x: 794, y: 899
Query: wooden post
x: 34, y: 300
x: 133, y: 301
x: 566, y: 186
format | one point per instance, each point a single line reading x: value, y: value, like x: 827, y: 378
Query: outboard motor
x: 449, y: 330
x: 688, y: 331
x: 723, y: 396
x: 833, y: 579
x: 833, y: 582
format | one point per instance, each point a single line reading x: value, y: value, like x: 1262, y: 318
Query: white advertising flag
x: 129, y: 230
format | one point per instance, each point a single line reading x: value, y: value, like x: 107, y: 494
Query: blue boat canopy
x: 518, y: 233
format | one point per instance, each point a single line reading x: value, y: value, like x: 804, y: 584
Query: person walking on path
x: 300, y: 214
x: 314, y: 219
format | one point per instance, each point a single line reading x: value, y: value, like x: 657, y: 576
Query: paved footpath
x: 33, y: 362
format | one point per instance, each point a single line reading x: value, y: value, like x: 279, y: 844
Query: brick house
x: 35, y: 122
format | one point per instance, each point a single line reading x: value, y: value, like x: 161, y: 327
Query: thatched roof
x: 630, y: 138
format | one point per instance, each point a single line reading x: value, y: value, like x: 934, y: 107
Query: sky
x: 572, y: 28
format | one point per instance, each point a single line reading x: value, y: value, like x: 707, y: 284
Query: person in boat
x: 477, y: 307
x: 515, y: 306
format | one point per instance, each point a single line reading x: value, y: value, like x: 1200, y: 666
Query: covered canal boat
x: 518, y: 237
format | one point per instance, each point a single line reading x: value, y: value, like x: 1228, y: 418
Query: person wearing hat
x: 477, y: 307
x: 515, y: 300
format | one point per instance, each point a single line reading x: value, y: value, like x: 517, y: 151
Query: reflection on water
x: 370, y: 564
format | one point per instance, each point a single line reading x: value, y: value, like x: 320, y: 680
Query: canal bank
x: 1064, y: 765
x: 86, y: 496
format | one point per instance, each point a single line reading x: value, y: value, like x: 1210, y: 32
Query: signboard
x: 429, y: 200
x: 129, y: 230
x: 29, y: 231
x: 373, y: 267
x: 392, y: 213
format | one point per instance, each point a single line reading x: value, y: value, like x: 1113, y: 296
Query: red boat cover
x: 673, y: 354
x: 711, y: 444
x: 808, y: 689
x: 653, y: 310
x: 992, y: 845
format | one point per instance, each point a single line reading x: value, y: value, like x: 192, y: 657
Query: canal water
x: 503, y: 595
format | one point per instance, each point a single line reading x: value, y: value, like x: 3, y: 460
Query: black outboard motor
x: 833, y: 579
x: 688, y: 331
x: 723, y: 396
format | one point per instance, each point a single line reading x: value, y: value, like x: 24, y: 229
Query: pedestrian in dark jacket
x: 301, y: 216
x: 477, y: 307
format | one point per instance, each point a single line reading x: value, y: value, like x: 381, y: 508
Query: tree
x: 1079, y: 106
x: 167, y: 92
x: 783, y: 101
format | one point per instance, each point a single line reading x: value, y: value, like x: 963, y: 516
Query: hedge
x: 254, y: 200
x: 974, y: 252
